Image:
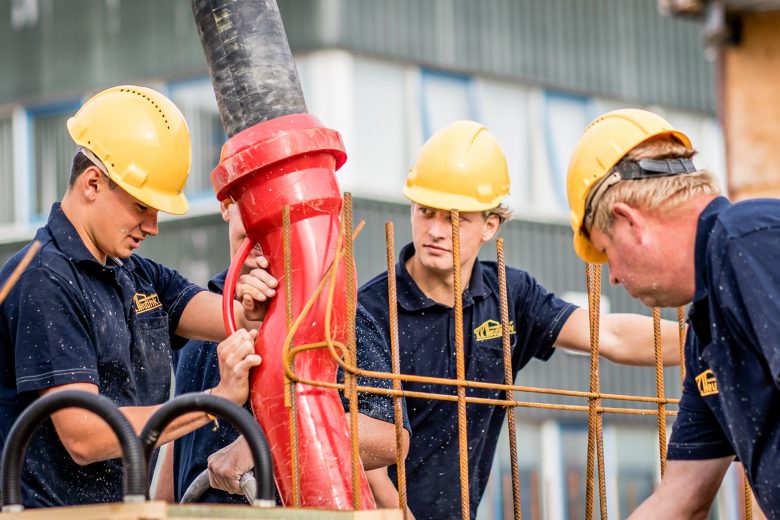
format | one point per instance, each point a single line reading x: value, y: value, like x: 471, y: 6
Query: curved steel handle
x: 237, y: 416
x: 230, y: 284
x: 32, y: 417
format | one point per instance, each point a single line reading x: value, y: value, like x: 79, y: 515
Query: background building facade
x: 387, y: 74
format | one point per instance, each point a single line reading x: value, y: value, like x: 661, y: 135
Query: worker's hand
x: 255, y: 287
x: 236, y: 356
x: 228, y: 464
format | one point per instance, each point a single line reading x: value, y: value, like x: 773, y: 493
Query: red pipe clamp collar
x: 291, y: 160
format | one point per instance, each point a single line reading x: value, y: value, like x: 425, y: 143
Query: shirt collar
x: 217, y: 284
x: 411, y: 297
x: 706, y: 223
x: 64, y: 234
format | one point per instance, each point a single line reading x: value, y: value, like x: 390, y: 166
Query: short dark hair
x: 80, y: 163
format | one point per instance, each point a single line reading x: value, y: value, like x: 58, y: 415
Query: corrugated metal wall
x: 198, y: 248
x: 614, y: 48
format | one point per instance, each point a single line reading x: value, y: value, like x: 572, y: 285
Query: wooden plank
x: 750, y: 115
x: 162, y: 511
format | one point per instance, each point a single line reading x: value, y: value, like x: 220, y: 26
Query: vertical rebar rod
x: 460, y: 366
x: 595, y: 454
x: 349, y: 283
x: 681, y: 332
x: 392, y: 298
x: 508, y: 379
x: 288, y: 308
x: 659, y: 387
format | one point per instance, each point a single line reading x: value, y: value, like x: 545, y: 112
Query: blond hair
x: 501, y: 211
x: 656, y: 194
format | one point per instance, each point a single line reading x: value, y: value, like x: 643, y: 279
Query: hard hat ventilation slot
x: 154, y: 104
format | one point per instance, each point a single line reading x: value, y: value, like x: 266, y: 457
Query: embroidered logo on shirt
x: 491, y: 329
x: 146, y: 302
x: 707, y: 383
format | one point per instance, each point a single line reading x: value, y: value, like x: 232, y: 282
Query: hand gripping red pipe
x: 291, y: 160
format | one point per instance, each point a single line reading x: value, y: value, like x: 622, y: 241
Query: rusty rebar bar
x: 508, y: 379
x: 395, y: 356
x: 659, y: 386
x: 290, y: 383
x: 460, y: 365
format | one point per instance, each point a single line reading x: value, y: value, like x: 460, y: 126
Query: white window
x: 196, y: 100
x: 52, y: 156
x: 6, y: 170
x: 445, y: 98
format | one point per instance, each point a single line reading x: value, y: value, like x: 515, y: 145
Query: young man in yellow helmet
x: 638, y: 203
x: 89, y: 314
x: 462, y: 167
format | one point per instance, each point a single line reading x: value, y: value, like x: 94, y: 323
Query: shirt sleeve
x: 539, y: 316
x: 754, y: 297
x: 373, y: 353
x: 53, y: 342
x: 696, y: 434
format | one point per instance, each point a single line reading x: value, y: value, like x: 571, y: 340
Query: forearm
x: 385, y: 493
x: 686, y: 491
x: 163, y: 489
x: 377, y: 442
x: 89, y: 439
x: 629, y: 339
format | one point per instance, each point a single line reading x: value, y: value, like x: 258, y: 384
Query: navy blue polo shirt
x: 427, y: 347
x: 71, y: 319
x: 197, y: 369
x: 731, y: 396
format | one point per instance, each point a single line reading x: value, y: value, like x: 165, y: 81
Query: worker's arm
x: 163, y: 490
x: 623, y: 338
x: 686, y: 491
x: 377, y: 449
x: 384, y: 491
x: 202, y: 317
x: 89, y: 439
x: 377, y: 442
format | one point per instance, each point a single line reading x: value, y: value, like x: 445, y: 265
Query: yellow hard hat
x: 460, y: 167
x: 603, y: 144
x: 142, y: 140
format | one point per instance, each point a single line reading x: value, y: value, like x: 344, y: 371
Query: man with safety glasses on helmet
x: 638, y: 203
x: 89, y: 314
x: 462, y: 167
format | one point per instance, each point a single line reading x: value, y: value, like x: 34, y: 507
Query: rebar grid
x: 594, y: 408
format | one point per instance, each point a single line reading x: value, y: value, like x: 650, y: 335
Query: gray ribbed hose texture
x: 249, y: 60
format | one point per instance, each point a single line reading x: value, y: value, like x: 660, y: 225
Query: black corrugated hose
x: 241, y: 419
x: 249, y: 59
x: 32, y: 417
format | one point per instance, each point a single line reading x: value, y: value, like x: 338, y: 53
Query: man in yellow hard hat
x: 638, y: 202
x: 462, y: 167
x: 89, y: 314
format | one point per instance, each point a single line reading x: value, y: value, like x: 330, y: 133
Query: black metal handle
x: 32, y: 417
x: 237, y: 416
